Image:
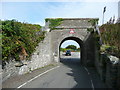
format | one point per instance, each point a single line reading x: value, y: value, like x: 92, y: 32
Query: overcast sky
x: 36, y: 12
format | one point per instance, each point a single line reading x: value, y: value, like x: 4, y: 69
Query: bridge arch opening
x: 80, y: 43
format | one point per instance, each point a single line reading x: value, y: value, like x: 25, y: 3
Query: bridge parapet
x: 68, y: 23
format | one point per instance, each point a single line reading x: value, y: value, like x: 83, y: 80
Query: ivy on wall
x: 90, y: 30
x: 54, y: 22
x: 95, y: 33
x: 93, y: 21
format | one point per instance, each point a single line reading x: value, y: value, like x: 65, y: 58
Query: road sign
x: 72, y: 31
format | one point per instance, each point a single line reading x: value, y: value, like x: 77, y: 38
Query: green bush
x: 109, y: 49
x: 110, y: 34
x: 17, y: 35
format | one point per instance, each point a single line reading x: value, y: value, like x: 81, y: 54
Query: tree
x: 62, y: 49
x: 71, y: 47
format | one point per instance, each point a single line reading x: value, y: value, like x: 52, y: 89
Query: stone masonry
x: 40, y: 58
x: 82, y: 36
x: 108, y: 67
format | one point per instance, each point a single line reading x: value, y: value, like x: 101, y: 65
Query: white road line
x: 90, y: 78
x: 92, y: 84
x: 36, y: 77
x: 87, y: 70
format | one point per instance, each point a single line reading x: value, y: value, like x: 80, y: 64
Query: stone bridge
x: 79, y: 27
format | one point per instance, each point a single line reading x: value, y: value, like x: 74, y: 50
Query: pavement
x: 67, y: 74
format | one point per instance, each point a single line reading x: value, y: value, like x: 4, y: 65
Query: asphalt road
x: 73, y: 55
x: 69, y: 74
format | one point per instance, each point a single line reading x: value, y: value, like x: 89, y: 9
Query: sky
x: 69, y: 42
x: 119, y: 9
x: 35, y: 11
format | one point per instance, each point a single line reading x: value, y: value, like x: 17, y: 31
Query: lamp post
x: 103, y: 14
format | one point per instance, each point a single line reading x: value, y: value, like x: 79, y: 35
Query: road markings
x: 92, y: 84
x: 87, y: 70
x: 36, y: 77
x: 90, y: 78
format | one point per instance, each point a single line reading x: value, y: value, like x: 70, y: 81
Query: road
x: 73, y: 55
x: 69, y: 74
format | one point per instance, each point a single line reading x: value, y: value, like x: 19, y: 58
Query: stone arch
x: 85, y: 41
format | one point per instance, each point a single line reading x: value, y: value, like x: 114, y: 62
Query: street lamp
x: 103, y: 14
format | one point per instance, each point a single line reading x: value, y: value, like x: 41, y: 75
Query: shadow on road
x: 77, y: 71
x: 80, y: 75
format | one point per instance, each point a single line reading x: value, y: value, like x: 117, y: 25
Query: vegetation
x: 19, y: 38
x: 110, y: 34
x: 54, y: 22
x: 93, y: 21
x: 70, y: 47
x: 63, y: 49
x: 95, y: 33
x: 90, y: 30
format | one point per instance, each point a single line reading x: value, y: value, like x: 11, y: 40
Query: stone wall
x: 112, y: 74
x: 40, y: 58
x: 108, y: 68
x: 89, y: 50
